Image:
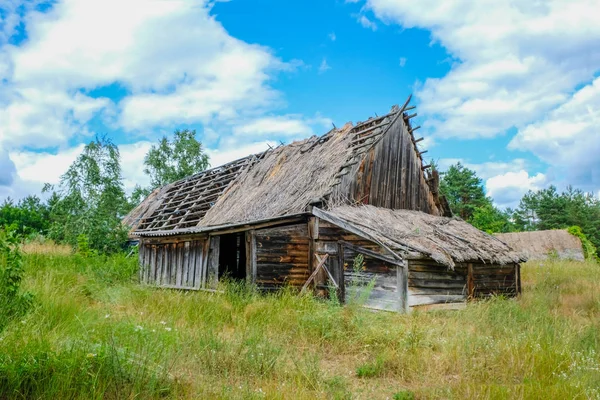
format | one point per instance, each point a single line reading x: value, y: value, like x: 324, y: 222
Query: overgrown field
x: 93, y: 332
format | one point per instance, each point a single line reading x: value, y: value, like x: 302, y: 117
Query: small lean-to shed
x: 291, y: 216
x: 540, y: 245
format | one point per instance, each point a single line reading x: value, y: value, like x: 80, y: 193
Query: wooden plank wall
x: 179, y: 264
x: 381, y: 275
x: 432, y: 283
x: 282, y: 256
x: 389, y: 175
x: 490, y: 279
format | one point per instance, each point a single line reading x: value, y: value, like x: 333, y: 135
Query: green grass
x: 93, y: 332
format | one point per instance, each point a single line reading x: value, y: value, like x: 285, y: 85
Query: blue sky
x: 510, y: 90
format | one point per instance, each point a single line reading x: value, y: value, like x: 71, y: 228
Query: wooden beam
x: 370, y: 253
x: 424, y: 167
x: 418, y: 140
x: 423, y: 152
x: 410, y: 116
x: 470, y: 282
x: 312, y: 276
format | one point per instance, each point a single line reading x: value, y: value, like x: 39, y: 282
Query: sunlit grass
x: 95, y: 333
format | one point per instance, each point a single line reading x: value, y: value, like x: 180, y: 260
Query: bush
x: 13, y: 302
x: 589, y: 250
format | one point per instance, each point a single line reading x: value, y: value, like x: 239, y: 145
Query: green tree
x: 174, y: 159
x: 90, y: 199
x: 492, y: 220
x: 27, y: 217
x: 549, y: 209
x: 463, y: 190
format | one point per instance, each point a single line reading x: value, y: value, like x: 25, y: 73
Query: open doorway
x: 232, y: 256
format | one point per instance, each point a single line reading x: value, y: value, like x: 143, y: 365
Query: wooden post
x: 341, y: 278
x: 213, y: 262
x: 402, y: 271
x: 250, y: 257
x: 518, y: 279
x: 470, y: 282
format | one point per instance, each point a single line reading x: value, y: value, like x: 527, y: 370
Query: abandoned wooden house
x: 299, y: 214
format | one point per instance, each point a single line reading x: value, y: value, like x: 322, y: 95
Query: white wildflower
x: 167, y: 329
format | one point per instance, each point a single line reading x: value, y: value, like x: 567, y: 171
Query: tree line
x: 86, y: 208
x: 537, y: 210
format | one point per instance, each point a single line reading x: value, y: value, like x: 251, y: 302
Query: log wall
x: 282, y: 256
x: 180, y: 264
x: 430, y: 283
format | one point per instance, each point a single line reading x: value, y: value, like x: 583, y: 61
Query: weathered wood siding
x: 376, y: 283
x: 282, y: 256
x: 390, y: 175
x: 490, y: 279
x: 174, y: 263
x: 432, y: 283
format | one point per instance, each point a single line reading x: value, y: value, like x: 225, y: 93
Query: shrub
x: 13, y: 302
x: 589, y: 250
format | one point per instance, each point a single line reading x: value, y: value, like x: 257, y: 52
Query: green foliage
x: 13, y: 302
x: 404, y: 395
x: 90, y: 200
x: 491, y: 220
x: 549, y: 209
x: 174, y: 159
x: 370, y: 369
x: 27, y: 217
x: 463, y: 190
x: 589, y: 250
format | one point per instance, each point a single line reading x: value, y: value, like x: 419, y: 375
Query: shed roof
x: 416, y: 234
x: 538, y: 245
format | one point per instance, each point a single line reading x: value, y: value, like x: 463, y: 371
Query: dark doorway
x: 232, y: 256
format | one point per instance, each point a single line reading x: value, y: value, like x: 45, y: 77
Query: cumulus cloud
x: 293, y: 126
x: 402, y: 62
x: 366, y: 22
x: 569, y: 137
x: 507, y: 189
x: 7, y: 169
x: 505, y: 182
x: 175, y: 61
x: 513, y: 61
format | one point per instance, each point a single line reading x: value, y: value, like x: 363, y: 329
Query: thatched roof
x: 538, y: 245
x: 416, y: 234
x: 184, y: 203
x: 281, y: 181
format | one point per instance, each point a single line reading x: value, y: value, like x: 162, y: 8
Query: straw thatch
x: 446, y: 240
x: 539, y: 245
x: 285, y: 182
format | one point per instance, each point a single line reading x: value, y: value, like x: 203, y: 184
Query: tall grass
x: 93, y: 332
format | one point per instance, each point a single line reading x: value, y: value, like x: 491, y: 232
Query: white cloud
x: 7, y: 169
x: 514, y: 61
x: 569, y: 138
x: 402, y: 62
x: 176, y: 62
x: 507, y: 189
x: 366, y: 22
x: 332, y: 36
x: 324, y: 67
x: 486, y: 170
x: 282, y: 126
x: 505, y: 182
x: 220, y: 157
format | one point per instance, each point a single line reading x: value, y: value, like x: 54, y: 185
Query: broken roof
x: 415, y: 234
x: 280, y: 181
